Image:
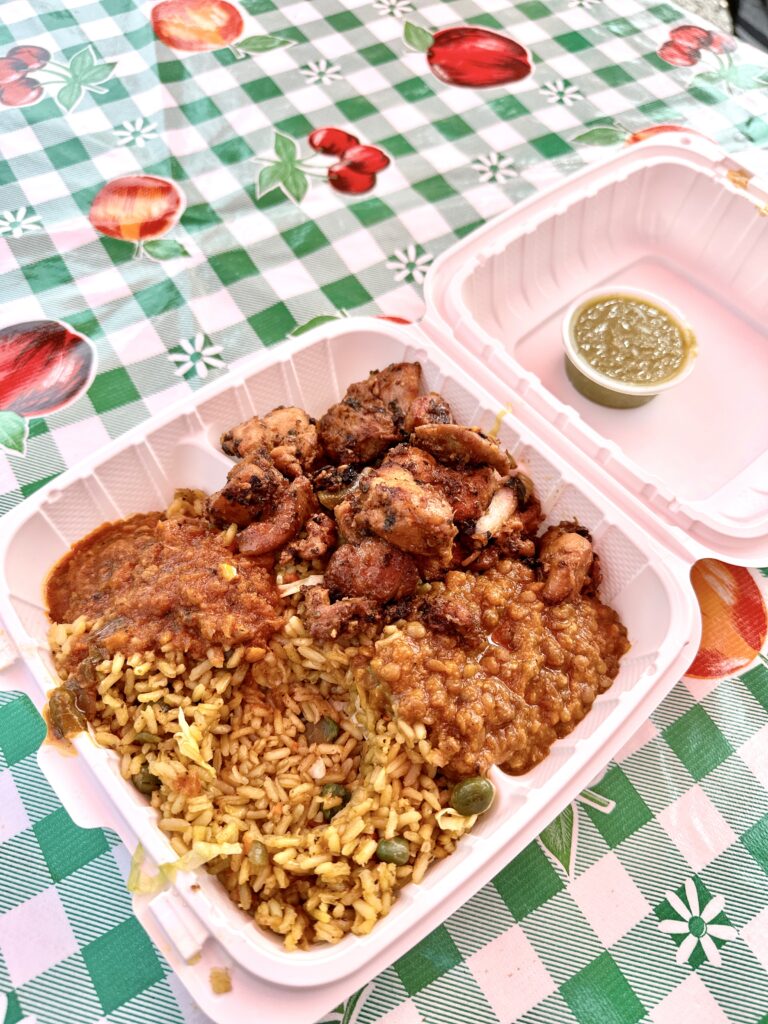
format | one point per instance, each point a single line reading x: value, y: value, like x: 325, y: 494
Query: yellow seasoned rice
x: 254, y: 779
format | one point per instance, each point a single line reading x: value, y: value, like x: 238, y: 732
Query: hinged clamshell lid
x: 675, y: 217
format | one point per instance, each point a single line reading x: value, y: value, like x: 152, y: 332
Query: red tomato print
x: 734, y: 620
x: 136, y: 207
x: 197, y: 25
x: 477, y: 58
x: 44, y: 365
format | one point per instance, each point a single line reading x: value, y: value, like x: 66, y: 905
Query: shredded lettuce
x: 451, y: 821
x: 287, y: 589
x: 188, y: 745
x: 200, y: 854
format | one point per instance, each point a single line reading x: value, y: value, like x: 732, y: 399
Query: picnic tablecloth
x: 648, y: 898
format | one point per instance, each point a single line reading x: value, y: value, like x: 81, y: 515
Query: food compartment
x: 142, y: 470
x: 673, y: 225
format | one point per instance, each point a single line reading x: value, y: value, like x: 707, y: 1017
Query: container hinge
x: 741, y: 177
x: 179, y: 923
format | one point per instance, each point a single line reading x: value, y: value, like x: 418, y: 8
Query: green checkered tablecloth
x: 648, y: 898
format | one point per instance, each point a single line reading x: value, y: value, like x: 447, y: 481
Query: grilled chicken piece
x: 468, y: 491
x: 320, y: 538
x: 396, y: 387
x: 327, y: 621
x: 371, y: 569
x: 287, y: 434
x: 354, y: 433
x: 462, y: 446
x: 429, y: 408
x: 252, y: 486
x: 566, y: 558
x: 369, y: 418
x: 292, y: 507
x: 415, y: 517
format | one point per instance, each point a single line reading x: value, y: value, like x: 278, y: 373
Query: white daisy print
x: 561, y: 91
x: 321, y: 71
x: 196, y: 357
x: 136, y: 133
x: 408, y: 265
x: 696, y: 924
x: 394, y: 8
x: 495, y: 167
x: 584, y: 3
x: 16, y: 223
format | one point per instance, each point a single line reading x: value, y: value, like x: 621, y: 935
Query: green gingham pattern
x: 677, y: 830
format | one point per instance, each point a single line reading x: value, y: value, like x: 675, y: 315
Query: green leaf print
x: 164, y: 249
x: 417, y: 38
x: 82, y: 62
x: 285, y: 148
x: 295, y: 183
x: 604, y: 136
x: 260, y: 44
x: 14, y: 431
x: 559, y: 838
x: 69, y: 94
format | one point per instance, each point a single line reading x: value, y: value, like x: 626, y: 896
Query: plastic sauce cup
x: 604, y: 390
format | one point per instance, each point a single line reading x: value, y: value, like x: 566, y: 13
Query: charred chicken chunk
x: 291, y: 510
x: 396, y: 387
x: 430, y: 408
x: 250, y: 490
x: 319, y: 540
x: 327, y: 621
x: 462, y: 446
x: 369, y: 418
x: 468, y: 491
x: 566, y: 559
x: 415, y: 517
x: 287, y: 434
x: 371, y: 569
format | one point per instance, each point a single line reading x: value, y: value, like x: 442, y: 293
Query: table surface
x: 648, y: 898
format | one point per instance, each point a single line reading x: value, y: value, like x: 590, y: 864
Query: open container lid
x: 676, y: 217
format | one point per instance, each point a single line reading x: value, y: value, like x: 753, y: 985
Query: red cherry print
x: 197, y: 25
x: 369, y: 159
x: 21, y: 93
x: 477, y: 58
x: 345, y: 179
x: 11, y: 70
x: 35, y: 57
x: 43, y: 366
x: 332, y: 141
x: 722, y: 44
x: 679, y: 56
x: 691, y: 37
x: 136, y: 207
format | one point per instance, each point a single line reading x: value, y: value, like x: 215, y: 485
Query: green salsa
x: 631, y: 340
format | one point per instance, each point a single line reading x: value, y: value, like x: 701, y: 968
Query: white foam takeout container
x: 658, y: 487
